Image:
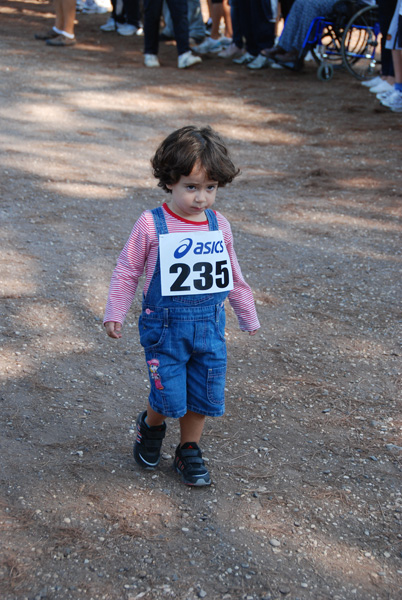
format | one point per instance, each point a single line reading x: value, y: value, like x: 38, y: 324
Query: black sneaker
x: 189, y: 464
x: 148, y: 444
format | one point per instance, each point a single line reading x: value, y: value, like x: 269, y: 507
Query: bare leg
x: 65, y: 15
x: 216, y: 16
x: 192, y: 424
x: 397, y: 60
x: 228, y: 19
x: 58, y: 7
x: 154, y: 419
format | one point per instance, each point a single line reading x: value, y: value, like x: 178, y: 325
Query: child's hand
x: 113, y: 329
x: 253, y: 332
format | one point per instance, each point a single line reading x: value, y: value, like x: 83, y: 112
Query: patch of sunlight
x: 331, y: 218
x: 46, y: 113
x: 361, y: 182
x: 93, y: 282
x: 89, y: 191
x: 8, y: 10
x: 18, y: 274
x: 362, y: 349
x: 331, y: 555
x: 264, y: 136
x: 264, y: 230
x: 14, y: 364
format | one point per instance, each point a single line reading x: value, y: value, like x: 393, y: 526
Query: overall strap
x: 212, y: 220
x: 159, y: 220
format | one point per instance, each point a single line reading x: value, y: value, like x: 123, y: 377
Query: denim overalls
x: 184, y: 342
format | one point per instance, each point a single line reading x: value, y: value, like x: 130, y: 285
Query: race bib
x: 196, y: 263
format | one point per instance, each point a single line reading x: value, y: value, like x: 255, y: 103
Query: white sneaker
x: 231, y: 51
x: 372, y: 82
x: 259, y: 62
x: 126, y: 29
x: 244, y: 59
x: 151, y: 60
x: 91, y: 8
x: 381, y: 87
x: 139, y: 31
x: 225, y: 41
x: 393, y: 101
x: 384, y: 95
x: 396, y: 104
x: 188, y: 60
x: 110, y: 25
x: 208, y: 45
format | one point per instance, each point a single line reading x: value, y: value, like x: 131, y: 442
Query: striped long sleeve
x: 141, y: 252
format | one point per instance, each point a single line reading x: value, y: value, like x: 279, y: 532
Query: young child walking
x: 191, y: 267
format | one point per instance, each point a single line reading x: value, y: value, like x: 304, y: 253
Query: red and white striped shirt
x: 141, y: 252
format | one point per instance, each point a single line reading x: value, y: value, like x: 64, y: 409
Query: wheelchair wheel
x: 329, y: 49
x: 359, y: 43
x: 325, y: 72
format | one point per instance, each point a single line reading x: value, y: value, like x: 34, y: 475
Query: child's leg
x: 188, y: 460
x: 191, y: 427
x: 154, y: 419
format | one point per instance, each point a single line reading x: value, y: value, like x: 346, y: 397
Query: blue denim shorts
x: 185, y: 351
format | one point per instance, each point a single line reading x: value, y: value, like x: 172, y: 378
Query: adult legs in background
x: 386, y: 9
x: 300, y: 16
x: 152, y: 15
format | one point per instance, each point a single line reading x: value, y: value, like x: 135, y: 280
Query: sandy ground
x: 306, y: 498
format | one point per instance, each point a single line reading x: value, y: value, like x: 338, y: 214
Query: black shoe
x: 189, y: 464
x: 147, y: 447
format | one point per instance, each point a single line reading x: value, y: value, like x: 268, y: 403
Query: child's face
x: 192, y: 194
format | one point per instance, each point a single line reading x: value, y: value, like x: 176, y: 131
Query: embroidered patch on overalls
x: 153, y: 365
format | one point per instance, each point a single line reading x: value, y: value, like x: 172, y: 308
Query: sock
x: 398, y: 86
x: 70, y: 36
x: 57, y: 30
x: 145, y: 421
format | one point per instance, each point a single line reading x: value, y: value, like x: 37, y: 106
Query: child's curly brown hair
x: 181, y: 150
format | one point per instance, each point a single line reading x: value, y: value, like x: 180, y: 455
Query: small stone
x: 284, y: 589
x: 274, y: 542
x: 393, y: 447
x: 202, y: 594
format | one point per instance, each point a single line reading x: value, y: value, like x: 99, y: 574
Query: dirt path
x: 306, y: 501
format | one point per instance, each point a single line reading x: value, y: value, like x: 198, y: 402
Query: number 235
x: 205, y: 270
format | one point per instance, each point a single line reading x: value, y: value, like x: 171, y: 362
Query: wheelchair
x: 347, y: 38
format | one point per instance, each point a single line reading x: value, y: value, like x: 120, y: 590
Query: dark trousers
x: 236, y: 23
x: 286, y: 5
x: 386, y: 9
x: 133, y: 12
x: 152, y: 15
x: 258, y: 28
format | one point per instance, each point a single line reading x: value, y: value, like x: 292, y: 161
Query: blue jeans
x: 186, y: 356
x: 184, y: 342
